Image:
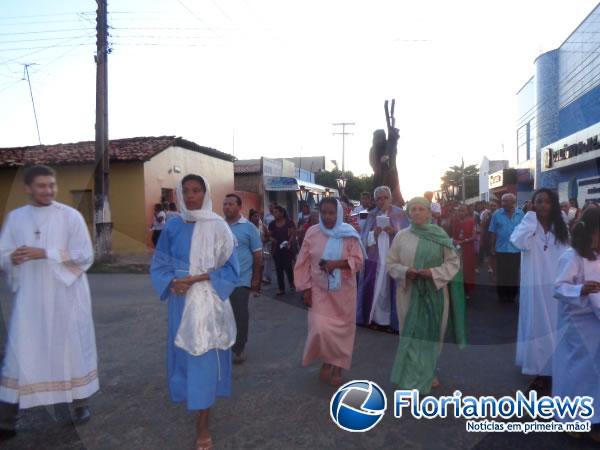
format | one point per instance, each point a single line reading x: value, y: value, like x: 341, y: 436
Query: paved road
x: 276, y: 404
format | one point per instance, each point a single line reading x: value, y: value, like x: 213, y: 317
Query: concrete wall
x: 159, y: 174
x: 250, y: 200
x: 249, y: 183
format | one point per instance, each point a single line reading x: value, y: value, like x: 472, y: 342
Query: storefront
x: 574, y: 164
x: 289, y: 191
x: 518, y: 182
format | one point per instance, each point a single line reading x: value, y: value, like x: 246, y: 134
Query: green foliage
x: 354, y: 186
x: 453, y: 176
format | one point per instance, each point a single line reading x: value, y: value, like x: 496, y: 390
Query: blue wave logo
x: 358, y: 406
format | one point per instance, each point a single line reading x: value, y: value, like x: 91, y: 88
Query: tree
x: 454, y: 175
x: 355, y: 185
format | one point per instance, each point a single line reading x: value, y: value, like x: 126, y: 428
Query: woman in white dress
x: 576, y: 367
x: 542, y: 237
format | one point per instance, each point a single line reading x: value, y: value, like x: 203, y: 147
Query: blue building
x: 558, y: 123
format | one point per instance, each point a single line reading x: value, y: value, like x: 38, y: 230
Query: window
x: 524, y: 143
x: 83, y: 202
x: 166, y: 195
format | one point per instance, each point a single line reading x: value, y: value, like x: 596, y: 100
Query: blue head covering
x: 335, y: 244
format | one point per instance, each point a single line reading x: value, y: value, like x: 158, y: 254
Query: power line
x: 572, y: 96
x: 65, y: 38
x: 39, y: 49
x: 198, y: 18
x: 41, y: 15
x: 15, y: 49
x: 26, y: 73
x: 44, y: 22
x: 161, y: 28
x: 45, y: 31
x: 11, y: 85
x: 567, y: 78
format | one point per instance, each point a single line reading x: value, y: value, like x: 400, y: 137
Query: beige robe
x: 401, y: 257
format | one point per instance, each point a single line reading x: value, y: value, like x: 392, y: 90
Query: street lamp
x: 302, y: 194
x: 341, y: 183
x: 453, y: 190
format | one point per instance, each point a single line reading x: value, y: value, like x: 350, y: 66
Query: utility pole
x: 343, y: 134
x: 26, y: 74
x: 102, y: 216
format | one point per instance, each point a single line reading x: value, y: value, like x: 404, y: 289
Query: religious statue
x: 383, y: 156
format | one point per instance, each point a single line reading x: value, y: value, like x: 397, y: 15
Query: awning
x: 293, y: 184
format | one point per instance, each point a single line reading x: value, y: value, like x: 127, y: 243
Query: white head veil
x: 196, y: 215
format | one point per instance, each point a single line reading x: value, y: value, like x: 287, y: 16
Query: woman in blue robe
x: 196, y: 380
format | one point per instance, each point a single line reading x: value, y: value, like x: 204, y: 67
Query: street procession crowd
x: 408, y: 270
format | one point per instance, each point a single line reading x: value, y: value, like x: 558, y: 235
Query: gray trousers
x: 239, y: 303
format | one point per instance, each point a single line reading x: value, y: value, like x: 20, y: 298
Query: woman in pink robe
x: 325, y: 271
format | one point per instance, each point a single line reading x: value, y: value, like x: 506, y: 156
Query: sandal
x: 205, y: 444
x: 336, y: 381
x: 541, y: 385
x: 325, y: 373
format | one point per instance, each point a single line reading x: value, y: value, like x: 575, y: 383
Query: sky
x: 270, y: 77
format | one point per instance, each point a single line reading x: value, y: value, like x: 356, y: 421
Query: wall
x: 217, y: 172
x: 248, y: 182
x: 547, y: 89
x: 250, y: 200
x: 578, y: 64
x: 484, y: 171
x: 127, y: 204
x: 11, y: 191
x: 580, y: 114
x: 126, y: 197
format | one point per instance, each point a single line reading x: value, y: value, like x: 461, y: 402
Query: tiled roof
x: 247, y: 166
x: 121, y: 150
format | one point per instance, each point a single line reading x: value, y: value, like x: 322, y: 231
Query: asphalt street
x: 276, y: 403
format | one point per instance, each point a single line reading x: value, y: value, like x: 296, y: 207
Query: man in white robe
x: 50, y: 357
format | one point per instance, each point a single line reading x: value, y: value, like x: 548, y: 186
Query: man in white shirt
x: 362, y: 210
x: 45, y: 249
x: 269, y: 217
x: 159, y: 220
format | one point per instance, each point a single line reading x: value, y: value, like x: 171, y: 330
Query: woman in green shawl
x: 429, y: 295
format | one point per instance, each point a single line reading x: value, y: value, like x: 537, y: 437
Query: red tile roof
x: 121, y: 150
x: 247, y: 166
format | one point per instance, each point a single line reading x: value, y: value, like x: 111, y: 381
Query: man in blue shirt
x: 249, y: 252
x: 508, y: 257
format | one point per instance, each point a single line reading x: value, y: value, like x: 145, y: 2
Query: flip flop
x: 205, y: 444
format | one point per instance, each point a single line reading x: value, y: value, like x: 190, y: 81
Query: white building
x: 486, y: 168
